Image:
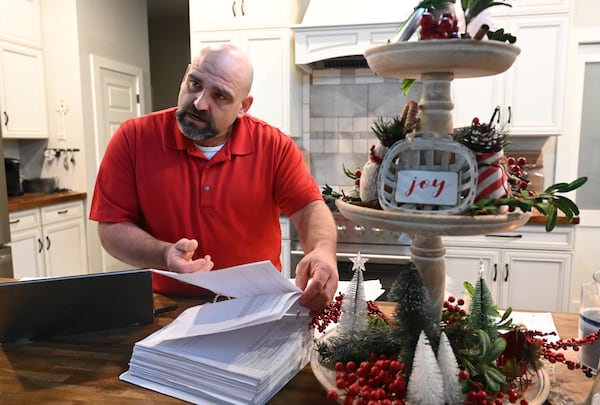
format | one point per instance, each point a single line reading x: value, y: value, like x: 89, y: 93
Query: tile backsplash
x: 342, y: 105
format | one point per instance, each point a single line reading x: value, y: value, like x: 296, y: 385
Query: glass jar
x: 589, y: 321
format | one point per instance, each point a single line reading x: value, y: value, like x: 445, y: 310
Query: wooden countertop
x: 36, y: 200
x: 539, y: 219
x: 84, y: 367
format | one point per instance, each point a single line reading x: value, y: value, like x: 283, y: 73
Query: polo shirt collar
x: 240, y: 141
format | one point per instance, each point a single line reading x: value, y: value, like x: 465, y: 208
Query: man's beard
x: 190, y: 130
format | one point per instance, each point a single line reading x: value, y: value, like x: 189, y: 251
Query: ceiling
x: 167, y: 8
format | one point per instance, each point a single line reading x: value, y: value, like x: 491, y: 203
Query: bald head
x: 215, y: 91
x: 227, y: 60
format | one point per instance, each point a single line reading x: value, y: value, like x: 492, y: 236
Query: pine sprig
x: 389, y: 131
x: 358, y: 345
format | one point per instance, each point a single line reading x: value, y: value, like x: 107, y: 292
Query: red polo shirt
x: 155, y: 177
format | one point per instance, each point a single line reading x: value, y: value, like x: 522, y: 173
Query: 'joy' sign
x: 427, y: 187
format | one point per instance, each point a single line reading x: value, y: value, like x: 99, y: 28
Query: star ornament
x: 359, y: 262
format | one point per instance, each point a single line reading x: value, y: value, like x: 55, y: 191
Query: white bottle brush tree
x: 354, y: 307
x: 425, y: 386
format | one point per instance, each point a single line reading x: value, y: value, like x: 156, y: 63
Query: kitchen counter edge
x: 36, y: 200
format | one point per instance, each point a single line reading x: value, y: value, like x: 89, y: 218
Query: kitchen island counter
x: 84, y: 367
x: 36, y: 200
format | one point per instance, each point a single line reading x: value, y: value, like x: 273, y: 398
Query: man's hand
x: 179, y: 258
x: 321, y: 269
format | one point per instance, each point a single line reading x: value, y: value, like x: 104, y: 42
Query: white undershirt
x: 209, y: 151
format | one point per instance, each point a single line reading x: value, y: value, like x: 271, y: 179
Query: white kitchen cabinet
x: 23, y: 104
x: 20, y: 22
x: 49, y: 241
x: 235, y: 14
x: 27, y: 243
x: 531, y: 93
x: 528, y: 269
x: 520, y: 7
x: 277, y: 81
x: 262, y: 29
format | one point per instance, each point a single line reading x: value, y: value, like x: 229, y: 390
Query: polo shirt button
x: 206, y: 188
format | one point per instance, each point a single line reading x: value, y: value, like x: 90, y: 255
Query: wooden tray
x: 536, y: 393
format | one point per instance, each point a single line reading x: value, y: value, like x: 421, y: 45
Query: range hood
x: 336, y: 33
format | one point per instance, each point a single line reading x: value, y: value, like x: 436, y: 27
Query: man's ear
x: 246, y: 103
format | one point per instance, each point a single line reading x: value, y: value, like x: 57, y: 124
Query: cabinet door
x: 20, y: 22
x: 464, y: 264
x: 65, y: 250
x: 532, y: 7
x: 22, y: 92
x: 233, y: 14
x: 535, y: 85
x: 531, y: 93
x: 277, y: 81
x: 536, y: 281
x: 477, y: 97
x: 28, y: 253
x: 270, y: 55
x: 201, y: 40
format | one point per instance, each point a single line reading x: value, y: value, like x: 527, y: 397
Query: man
x: 202, y: 185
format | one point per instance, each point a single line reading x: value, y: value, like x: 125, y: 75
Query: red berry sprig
x: 516, y: 168
x: 380, y: 380
x: 331, y: 314
x: 444, y: 28
x: 374, y: 310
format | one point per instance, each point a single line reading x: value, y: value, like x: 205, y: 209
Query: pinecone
x: 482, y: 137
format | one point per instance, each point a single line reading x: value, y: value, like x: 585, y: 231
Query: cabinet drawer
x: 60, y: 212
x: 25, y: 219
x: 527, y: 237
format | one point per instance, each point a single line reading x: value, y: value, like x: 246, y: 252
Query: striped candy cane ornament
x: 492, y: 180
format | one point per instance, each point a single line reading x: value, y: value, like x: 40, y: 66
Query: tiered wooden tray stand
x: 436, y: 63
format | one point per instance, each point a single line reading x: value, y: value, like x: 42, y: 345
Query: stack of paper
x: 246, y: 366
x: 240, y: 351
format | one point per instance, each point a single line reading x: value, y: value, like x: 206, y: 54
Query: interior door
x: 117, y: 97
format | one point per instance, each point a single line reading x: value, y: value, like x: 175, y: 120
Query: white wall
x: 73, y: 30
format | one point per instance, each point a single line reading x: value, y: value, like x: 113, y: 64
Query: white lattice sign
x: 427, y: 175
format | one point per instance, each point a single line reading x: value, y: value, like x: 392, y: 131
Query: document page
x: 229, y: 315
x: 240, y: 281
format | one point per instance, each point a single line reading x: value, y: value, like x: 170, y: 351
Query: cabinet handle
x: 61, y: 212
x: 233, y: 8
x: 48, y: 243
x: 40, y: 245
x: 506, y: 272
x: 16, y: 221
x: 504, y: 236
x: 5, y: 118
x: 509, y: 114
x: 243, y: 8
x: 495, y: 272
